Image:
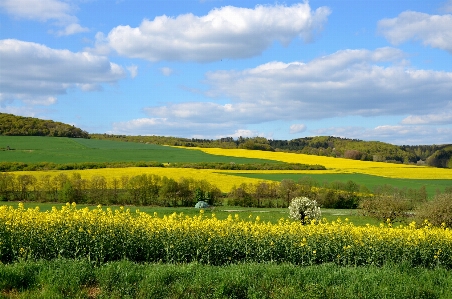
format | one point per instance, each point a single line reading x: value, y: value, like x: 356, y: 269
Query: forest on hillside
x: 13, y: 125
x: 432, y: 155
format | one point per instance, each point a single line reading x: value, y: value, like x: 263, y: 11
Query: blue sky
x: 370, y: 70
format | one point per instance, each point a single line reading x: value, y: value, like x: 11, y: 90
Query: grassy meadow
x: 34, y: 149
x: 89, y: 251
x: 369, y: 181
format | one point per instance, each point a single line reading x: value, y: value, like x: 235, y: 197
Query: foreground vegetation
x: 62, y: 278
x: 114, y: 253
x: 104, y: 236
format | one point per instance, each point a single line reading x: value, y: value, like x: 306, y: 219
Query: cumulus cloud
x: 227, y: 32
x: 297, y: 128
x: 44, y: 10
x: 432, y: 30
x: 174, y: 127
x: 394, y: 134
x: 348, y: 82
x: 36, y: 74
x: 430, y: 119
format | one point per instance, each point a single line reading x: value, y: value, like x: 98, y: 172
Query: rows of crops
x: 103, y: 235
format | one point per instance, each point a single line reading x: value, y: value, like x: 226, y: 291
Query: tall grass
x: 124, y: 279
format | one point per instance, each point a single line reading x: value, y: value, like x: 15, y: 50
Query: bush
x: 384, y: 207
x: 304, y: 209
x: 438, y: 211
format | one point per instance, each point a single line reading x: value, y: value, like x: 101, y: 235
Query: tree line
x: 22, y: 166
x: 147, y: 189
x: 141, y: 190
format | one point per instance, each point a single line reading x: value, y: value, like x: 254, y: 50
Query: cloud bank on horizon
x: 213, y: 69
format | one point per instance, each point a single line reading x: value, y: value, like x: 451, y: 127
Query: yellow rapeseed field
x: 338, y: 165
x: 103, y: 235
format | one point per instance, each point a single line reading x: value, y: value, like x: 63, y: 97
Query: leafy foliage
x: 437, y: 212
x: 13, y: 125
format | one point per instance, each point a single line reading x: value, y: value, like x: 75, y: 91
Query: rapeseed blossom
x: 104, y: 235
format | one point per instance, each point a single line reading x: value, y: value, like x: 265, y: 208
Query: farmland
x: 34, y: 149
x: 120, y: 241
x: 340, y: 165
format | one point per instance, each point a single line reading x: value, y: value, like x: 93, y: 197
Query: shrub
x: 384, y: 207
x: 438, y: 211
x: 304, y: 209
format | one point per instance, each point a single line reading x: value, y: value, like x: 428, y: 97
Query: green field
x: 369, y: 181
x: 34, y: 149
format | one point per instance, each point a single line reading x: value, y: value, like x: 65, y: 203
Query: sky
x: 374, y: 70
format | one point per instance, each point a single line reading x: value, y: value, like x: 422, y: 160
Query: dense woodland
x: 432, y: 155
x: 13, y: 125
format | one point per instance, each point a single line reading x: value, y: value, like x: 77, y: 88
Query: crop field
x: 117, y: 240
x: 340, y: 165
x: 369, y: 181
x: 34, y: 149
x: 272, y: 215
x: 107, y: 235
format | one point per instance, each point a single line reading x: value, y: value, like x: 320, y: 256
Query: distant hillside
x: 433, y: 155
x: 12, y: 125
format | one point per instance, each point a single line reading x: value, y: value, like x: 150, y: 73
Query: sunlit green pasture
x: 369, y: 181
x: 34, y: 149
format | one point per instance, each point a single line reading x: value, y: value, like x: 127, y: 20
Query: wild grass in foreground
x: 123, y: 279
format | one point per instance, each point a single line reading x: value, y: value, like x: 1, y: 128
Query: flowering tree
x: 304, y: 209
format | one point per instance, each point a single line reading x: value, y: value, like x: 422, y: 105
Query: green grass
x: 370, y: 181
x: 34, y: 149
x: 272, y: 215
x: 123, y: 279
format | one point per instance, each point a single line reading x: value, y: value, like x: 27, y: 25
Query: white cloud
x: 345, y: 83
x: 71, y: 29
x: 36, y: 74
x: 166, y: 71
x: 189, y: 129
x: 394, y: 134
x: 227, y: 32
x: 45, y: 10
x: 101, y: 46
x: 348, y: 82
x: 133, y: 70
x: 166, y: 127
x: 432, y: 30
x: 297, y: 128
x: 430, y: 119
